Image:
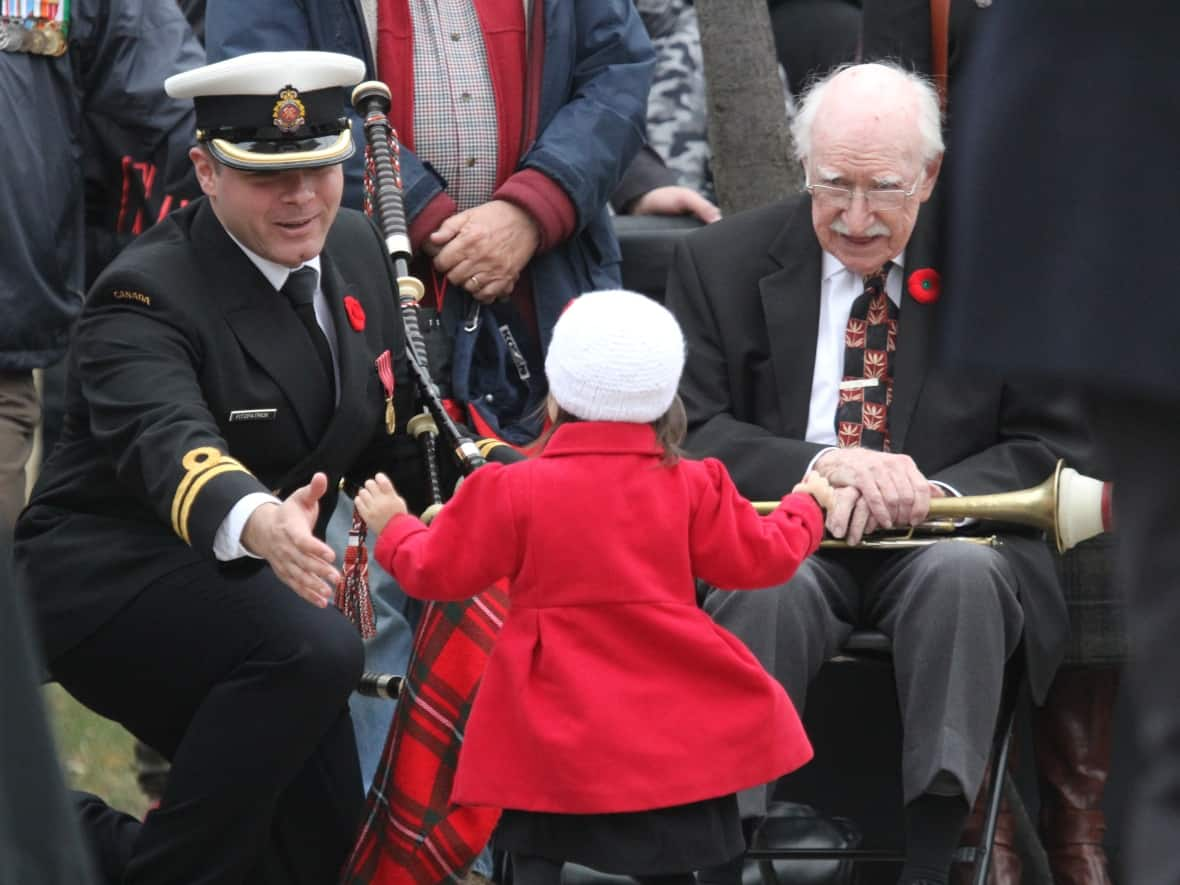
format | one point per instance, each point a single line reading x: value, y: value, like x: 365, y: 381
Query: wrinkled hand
x: 282, y: 535
x: 819, y: 488
x: 485, y: 249
x: 890, y: 491
x: 675, y: 200
x: 378, y: 502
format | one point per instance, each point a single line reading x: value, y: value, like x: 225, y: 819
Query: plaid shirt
x: 454, y: 108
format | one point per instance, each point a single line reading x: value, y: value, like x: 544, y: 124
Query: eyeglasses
x: 877, y: 200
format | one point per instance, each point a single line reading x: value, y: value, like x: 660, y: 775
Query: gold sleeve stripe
x: 486, y: 445
x: 201, y: 465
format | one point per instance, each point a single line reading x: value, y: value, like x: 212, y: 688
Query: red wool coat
x: 608, y: 689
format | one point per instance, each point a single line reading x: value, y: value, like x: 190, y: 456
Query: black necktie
x: 866, y: 392
x: 300, y: 291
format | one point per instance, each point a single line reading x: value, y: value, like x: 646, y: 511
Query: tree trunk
x: 748, y: 138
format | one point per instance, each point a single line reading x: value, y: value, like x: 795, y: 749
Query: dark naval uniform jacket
x: 191, y: 384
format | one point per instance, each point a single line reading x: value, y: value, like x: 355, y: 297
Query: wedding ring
x: 474, y: 281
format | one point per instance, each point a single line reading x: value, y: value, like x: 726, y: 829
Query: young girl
x: 615, y: 720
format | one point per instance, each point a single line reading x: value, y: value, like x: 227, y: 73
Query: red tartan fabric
x: 412, y: 834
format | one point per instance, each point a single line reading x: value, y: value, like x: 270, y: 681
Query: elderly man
x: 809, y: 325
x: 225, y: 360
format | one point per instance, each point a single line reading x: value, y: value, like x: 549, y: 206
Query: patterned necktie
x: 300, y: 291
x: 866, y: 391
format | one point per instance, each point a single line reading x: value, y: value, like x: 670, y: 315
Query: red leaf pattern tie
x: 870, y: 339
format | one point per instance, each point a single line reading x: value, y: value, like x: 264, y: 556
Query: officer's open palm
x: 282, y: 535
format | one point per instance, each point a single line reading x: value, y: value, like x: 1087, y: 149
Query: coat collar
x: 602, y: 438
x: 791, y: 302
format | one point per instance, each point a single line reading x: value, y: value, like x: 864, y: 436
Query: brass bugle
x: 1068, y: 506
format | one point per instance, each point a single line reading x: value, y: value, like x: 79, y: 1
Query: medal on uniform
x: 34, y: 27
x: 385, y: 373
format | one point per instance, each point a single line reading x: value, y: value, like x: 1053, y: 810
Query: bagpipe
x: 412, y: 834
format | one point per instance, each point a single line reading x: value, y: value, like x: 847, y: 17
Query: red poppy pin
x: 356, y: 313
x: 925, y: 285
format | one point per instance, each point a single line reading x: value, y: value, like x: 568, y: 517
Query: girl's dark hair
x: 670, y: 429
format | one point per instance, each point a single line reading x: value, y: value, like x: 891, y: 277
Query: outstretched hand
x: 378, y: 502
x: 282, y: 535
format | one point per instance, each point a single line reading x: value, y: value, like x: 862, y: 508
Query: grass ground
x: 96, y: 754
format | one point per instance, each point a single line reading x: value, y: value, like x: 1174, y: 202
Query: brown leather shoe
x: 1071, y: 739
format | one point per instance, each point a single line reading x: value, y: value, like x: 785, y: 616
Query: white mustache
x: 876, y: 229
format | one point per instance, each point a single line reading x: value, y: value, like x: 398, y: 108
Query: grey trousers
x: 19, y: 412
x: 954, y: 617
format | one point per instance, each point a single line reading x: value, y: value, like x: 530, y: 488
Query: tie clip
x: 858, y: 383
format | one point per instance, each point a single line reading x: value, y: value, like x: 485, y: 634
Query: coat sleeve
x: 587, y: 144
x: 474, y: 540
x: 139, y: 45
x: 1037, y: 425
x: 762, y: 464
x: 735, y: 548
x: 137, y: 363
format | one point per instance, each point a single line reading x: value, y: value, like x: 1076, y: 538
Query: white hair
x: 929, y: 111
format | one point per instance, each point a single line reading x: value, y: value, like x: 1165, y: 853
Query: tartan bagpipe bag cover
x: 412, y: 834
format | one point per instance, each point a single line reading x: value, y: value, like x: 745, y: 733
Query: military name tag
x: 238, y: 415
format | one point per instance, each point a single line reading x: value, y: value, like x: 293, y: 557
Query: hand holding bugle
x: 1068, y: 506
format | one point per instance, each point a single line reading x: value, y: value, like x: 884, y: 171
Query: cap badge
x: 289, y: 112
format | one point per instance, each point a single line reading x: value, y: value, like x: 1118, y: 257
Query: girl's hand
x: 378, y: 502
x: 819, y: 488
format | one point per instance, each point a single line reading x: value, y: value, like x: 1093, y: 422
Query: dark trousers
x: 243, y: 686
x: 1141, y: 439
x: 953, y: 614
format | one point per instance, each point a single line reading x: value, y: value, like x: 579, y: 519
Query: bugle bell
x: 1068, y: 506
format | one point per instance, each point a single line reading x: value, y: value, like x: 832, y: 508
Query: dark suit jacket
x: 177, y: 335
x: 747, y: 293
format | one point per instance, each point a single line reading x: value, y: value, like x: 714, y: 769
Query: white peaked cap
x: 273, y: 110
x: 265, y: 73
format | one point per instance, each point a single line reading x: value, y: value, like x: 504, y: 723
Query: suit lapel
x: 790, y: 303
x: 915, y: 330
x: 264, y: 325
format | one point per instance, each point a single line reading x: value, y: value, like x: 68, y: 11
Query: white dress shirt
x: 227, y: 543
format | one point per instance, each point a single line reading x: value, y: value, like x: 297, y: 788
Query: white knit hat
x: 615, y: 356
